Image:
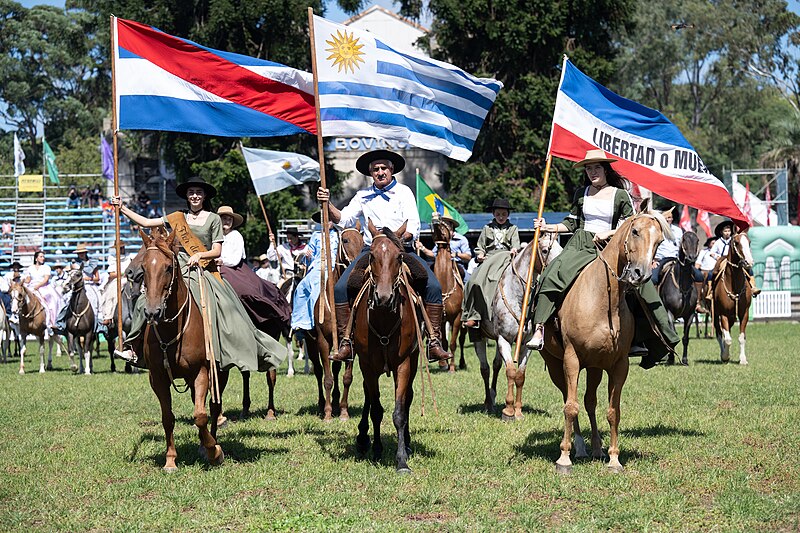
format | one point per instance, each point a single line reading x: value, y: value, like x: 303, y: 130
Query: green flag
x: 50, y: 163
x: 428, y: 202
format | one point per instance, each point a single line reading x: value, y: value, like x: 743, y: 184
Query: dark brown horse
x: 32, y: 321
x: 173, y: 344
x: 385, y: 339
x: 446, y: 271
x: 596, y: 331
x: 678, y: 290
x: 80, y: 322
x: 319, y: 342
x: 732, y: 294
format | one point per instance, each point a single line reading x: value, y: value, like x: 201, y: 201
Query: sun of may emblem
x: 345, y: 51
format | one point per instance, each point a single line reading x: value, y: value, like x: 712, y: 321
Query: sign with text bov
x: 363, y: 144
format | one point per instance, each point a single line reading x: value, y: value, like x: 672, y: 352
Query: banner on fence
x: 30, y: 183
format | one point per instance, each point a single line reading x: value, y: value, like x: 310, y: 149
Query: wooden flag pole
x: 529, y: 279
x: 116, y: 179
x: 326, y: 280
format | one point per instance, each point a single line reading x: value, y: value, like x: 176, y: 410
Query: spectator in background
x: 73, y: 198
x: 108, y: 211
x: 95, y: 196
x: 85, y: 196
x: 7, y: 231
x: 143, y: 204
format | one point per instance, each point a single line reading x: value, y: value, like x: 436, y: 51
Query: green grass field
x: 708, y: 447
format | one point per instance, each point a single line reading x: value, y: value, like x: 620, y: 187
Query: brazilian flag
x: 428, y: 201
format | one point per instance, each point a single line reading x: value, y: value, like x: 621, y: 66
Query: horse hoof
x: 222, y: 421
x: 519, y: 417
x: 290, y: 373
x: 41, y: 370
x: 21, y: 372
x: 344, y: 417
x: 49, y: 367
x: 563, y: 469
x: 404, y: 471
x: 270, y: 417
x: 615, y: 468
x: 170, y: 469
x: 220, y: 458
x: 74, y: 368
x: 508, y: 418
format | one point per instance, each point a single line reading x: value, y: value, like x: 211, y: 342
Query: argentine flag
x: 368, y: 89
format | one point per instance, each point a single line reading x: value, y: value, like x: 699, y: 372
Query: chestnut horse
x: 173, y: 344
x: 596, y: 331
x: 80, y: 322
x: 318, y: 344
x: 32, y: 321
x: 385, y: 339
x: 731, y: 295
x: 446, y: 271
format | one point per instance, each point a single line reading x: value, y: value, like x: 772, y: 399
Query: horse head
x: 636, y: 242
x: 350, y: 244
x: 690, y: 248
x: 442, y: 233
x: 161, y: 269
x: 74, y: 281
x: 739, y: 253
x: 386, y: 264
x: 18, y: 296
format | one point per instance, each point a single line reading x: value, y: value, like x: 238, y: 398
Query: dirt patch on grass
x: 726, y: 405
x: 436, y: 518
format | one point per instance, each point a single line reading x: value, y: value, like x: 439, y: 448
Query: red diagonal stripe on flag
x: 217, y: 75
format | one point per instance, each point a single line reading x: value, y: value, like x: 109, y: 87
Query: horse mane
x: 394, y: 238
x: 665, y: 229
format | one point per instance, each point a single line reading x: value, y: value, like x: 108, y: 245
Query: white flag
x: 272, y: 171
x: 19, y: 158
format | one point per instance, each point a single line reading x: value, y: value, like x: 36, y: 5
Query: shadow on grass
x: 316, y: 411
x: 713, y: 362
x: 472, y: 408
x: 329, y: 442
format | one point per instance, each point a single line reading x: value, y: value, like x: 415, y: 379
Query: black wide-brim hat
x: 722, y: 225
x: 17, y: 265
x: 363, y: 162
x: 196, y: 181
x: 500, y: 203
x: 709, y: 240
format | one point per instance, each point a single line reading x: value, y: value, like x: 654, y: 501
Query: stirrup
x: 534, y: 344
x: 637, y: 350
x: 127, y: 355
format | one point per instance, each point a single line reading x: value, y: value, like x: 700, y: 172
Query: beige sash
x: 190, y: 242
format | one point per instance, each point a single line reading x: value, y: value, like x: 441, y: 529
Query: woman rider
x: 37, y: 278
x: 236, y: 341
x: 596, y: 213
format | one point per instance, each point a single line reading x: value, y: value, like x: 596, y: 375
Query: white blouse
x: 232, y: 249
x: 598, y: 213
x: 37, y: 274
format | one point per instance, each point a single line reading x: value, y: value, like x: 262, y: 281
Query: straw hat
x: 81, y: 249
x: 196, y: 181
x: 228, y: 210
x: 453, y: 222
x: 593, y: 156
x: 363, y: 162
x: 262, y: 258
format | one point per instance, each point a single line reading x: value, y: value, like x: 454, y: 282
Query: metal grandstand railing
x: 28, y: 227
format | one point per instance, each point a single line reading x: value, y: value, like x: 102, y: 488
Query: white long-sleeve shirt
x: 720, y: 248
x: 232, y: 249
x: 390, y: 213
x: 669, y: 248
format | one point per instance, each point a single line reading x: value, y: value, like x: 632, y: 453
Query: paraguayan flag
x: 368, y: 89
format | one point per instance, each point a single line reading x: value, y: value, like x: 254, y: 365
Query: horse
x: 130, y: 293
x: 5, y: 336
x: 504, y: 325
x: 678, y: 290
x: 80, y: 322
x: 386, y: 338
x: 173, y: 345
x: 446, y: 271
x: 731, y: 295
x: 32, y: 321
x: 596, y: 331
x: 318, y: 343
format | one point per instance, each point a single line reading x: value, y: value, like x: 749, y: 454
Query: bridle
x: 343, y: 259
x: 395, y: 284
x: 76, y: 287
x: 17, y: 296
x: 627, y: 266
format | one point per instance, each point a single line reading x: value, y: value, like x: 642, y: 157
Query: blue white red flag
x: 369, y: 89
x: 650, y: 150
x: 171, y: 84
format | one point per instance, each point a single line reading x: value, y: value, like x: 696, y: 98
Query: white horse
x: 504, y: 325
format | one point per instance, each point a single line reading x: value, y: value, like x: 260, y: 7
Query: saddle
x: 358, y: 276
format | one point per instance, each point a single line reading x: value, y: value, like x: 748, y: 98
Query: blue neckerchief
x: 381, y: 192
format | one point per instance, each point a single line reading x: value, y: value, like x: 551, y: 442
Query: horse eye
x: 635, y: 232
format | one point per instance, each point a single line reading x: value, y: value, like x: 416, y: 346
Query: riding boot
x: 754, y: 290
x: 435, y: 351
x: 345, y: 344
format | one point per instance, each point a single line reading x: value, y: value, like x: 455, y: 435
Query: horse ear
x: 358, y: 226
x: 402, y: 229
x: 371, y: 227
x: 145, y: 238
x: 644, y: 207
x: 171, y: 239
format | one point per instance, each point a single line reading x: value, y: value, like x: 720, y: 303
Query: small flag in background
x: 686, y: 221
x: 50, y: 163
x: 768, y: 200
x: 704, y: 221
x: 19, y: 157
x: 108, y: 159
x: 428, y: 201
x: 369, y: 89
x: 272, y: 171
x: 746, y: 209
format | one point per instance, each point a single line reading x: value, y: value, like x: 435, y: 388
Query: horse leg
x: 504, y: 350
x: 462, y: 334
x: 454, y: 330
x: 88, y: 342
x: 347, y: 380
x: 50, y: 339
x: 593, y: 378
x: 160, y: 385
x: 724, y: 337
x: 322, y: 367
x: 24, y: 342
x: 519, y: 382
x: 272, y: 377
x: 572, y: 369
x: 376, y: 411
x: 213, y: 451
x: 687, y: 330
x: 480, y: 351
x: 362, y: 440
x: 742, y: 338
x: 42, y: 348
x: 616, y: 380
x: 216, y: 408
x: 402, y: 401
x: 245, y: 394
x: 290, y: 358
x: 319, y: 371
x: 671, y: 355
x: 336, y: 393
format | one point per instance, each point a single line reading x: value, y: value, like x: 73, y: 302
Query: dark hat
x: 292, y: 231
x: 317, y: 217
x: 16, y: 264
x: 709, y: 240
x: 722, y: 225
x: 500, y: 203
x: 196, y: 181
x: 363, y: 162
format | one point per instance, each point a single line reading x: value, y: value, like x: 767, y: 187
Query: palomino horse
x: 596, y: 331
x: 504, y: 324
x: 446, y: 271
x: 732, y: 295
x: 318, y: 343
x: 80, y: 322
x: 173, y: 344
x: 32, y: 321
x: 385, y: 339
x: 678, y: 290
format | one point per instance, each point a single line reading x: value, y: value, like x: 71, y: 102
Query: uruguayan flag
x: 369, y: 89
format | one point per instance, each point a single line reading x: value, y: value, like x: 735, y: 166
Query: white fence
x: 772, y: 304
